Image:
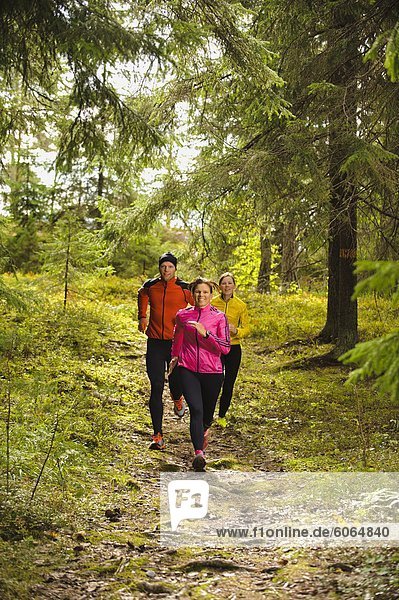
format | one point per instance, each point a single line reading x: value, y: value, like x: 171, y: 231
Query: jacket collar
x: 206, y: 308
x: 168, y: 283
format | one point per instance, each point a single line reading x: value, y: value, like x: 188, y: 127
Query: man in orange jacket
x: 166, y: 295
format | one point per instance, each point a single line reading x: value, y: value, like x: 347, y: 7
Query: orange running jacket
x: 165, y: 299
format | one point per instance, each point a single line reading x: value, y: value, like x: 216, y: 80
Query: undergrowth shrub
x: 20, y: 519
x: 282, y: 318
x: 59, y: 396
x: 276, y: 318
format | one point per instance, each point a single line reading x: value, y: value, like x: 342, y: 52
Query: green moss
x: 227, y: 462
x: 294, y: 569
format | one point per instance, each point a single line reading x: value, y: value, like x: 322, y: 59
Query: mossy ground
x: 92, y: 529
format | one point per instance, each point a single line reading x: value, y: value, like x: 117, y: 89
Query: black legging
x: 157, y: 361
x: 231, y: 363
x: 201, y: 390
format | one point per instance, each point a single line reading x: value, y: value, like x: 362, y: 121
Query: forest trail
x: 116, y: 553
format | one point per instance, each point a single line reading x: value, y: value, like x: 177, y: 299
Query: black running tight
x: 157, y: 361
x: 231, y: 363
x: 201, y: 391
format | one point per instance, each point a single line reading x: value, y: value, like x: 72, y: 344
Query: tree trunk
x: 341, y: 322
x: 289, y: 256
x: 387, y: 247
x: 265, y: 261
x: 347, y: 311
x: 329, y: 333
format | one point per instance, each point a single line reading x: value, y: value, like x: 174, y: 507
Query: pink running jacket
x: 196, y: 353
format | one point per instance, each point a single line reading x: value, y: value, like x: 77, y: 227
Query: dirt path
x: 116, y: 554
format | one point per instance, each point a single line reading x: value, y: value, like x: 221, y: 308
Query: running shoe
x: 199, y: 461
x: 179, y: 407
x: 157, y: 442
x: 206, y: 439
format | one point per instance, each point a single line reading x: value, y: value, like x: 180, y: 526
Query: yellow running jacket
x: 236, y: 313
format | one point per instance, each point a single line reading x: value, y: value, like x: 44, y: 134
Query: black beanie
x: 168, y: 257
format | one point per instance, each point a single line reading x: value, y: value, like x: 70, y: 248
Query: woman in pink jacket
x: 201, y: 336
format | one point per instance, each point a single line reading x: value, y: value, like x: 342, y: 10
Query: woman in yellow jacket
x: 237, y: 316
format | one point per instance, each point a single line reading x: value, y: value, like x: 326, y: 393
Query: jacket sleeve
x: 220, y: 340
x: 178, y: 334
x: 142, y: 301
x: 188, y: 297
x: 243, y: 328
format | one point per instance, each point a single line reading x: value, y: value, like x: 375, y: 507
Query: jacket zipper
x: 196, y: 339
x: 163, y: 310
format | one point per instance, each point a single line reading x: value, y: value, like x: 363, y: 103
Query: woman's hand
x: 233, y: 329
x: 198, y: 326
x: 172, y: 365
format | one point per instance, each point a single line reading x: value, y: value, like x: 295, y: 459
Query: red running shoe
x: 157, y: 442
x: 179, y: 407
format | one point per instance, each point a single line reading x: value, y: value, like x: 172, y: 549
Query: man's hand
x: 172, y: 365
x: 143, y: 323
x: 233, y: 329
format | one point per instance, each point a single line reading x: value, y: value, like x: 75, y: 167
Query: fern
x: 378, y: 358
x: 392, y: 54
x: 383, y: 278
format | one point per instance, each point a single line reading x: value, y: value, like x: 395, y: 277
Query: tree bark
x: 387, y: 247
x: 347, y: 310
x: 289, y: 255
x: 329, y: 333
x: 265, y: 261
x: 341, y: 322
